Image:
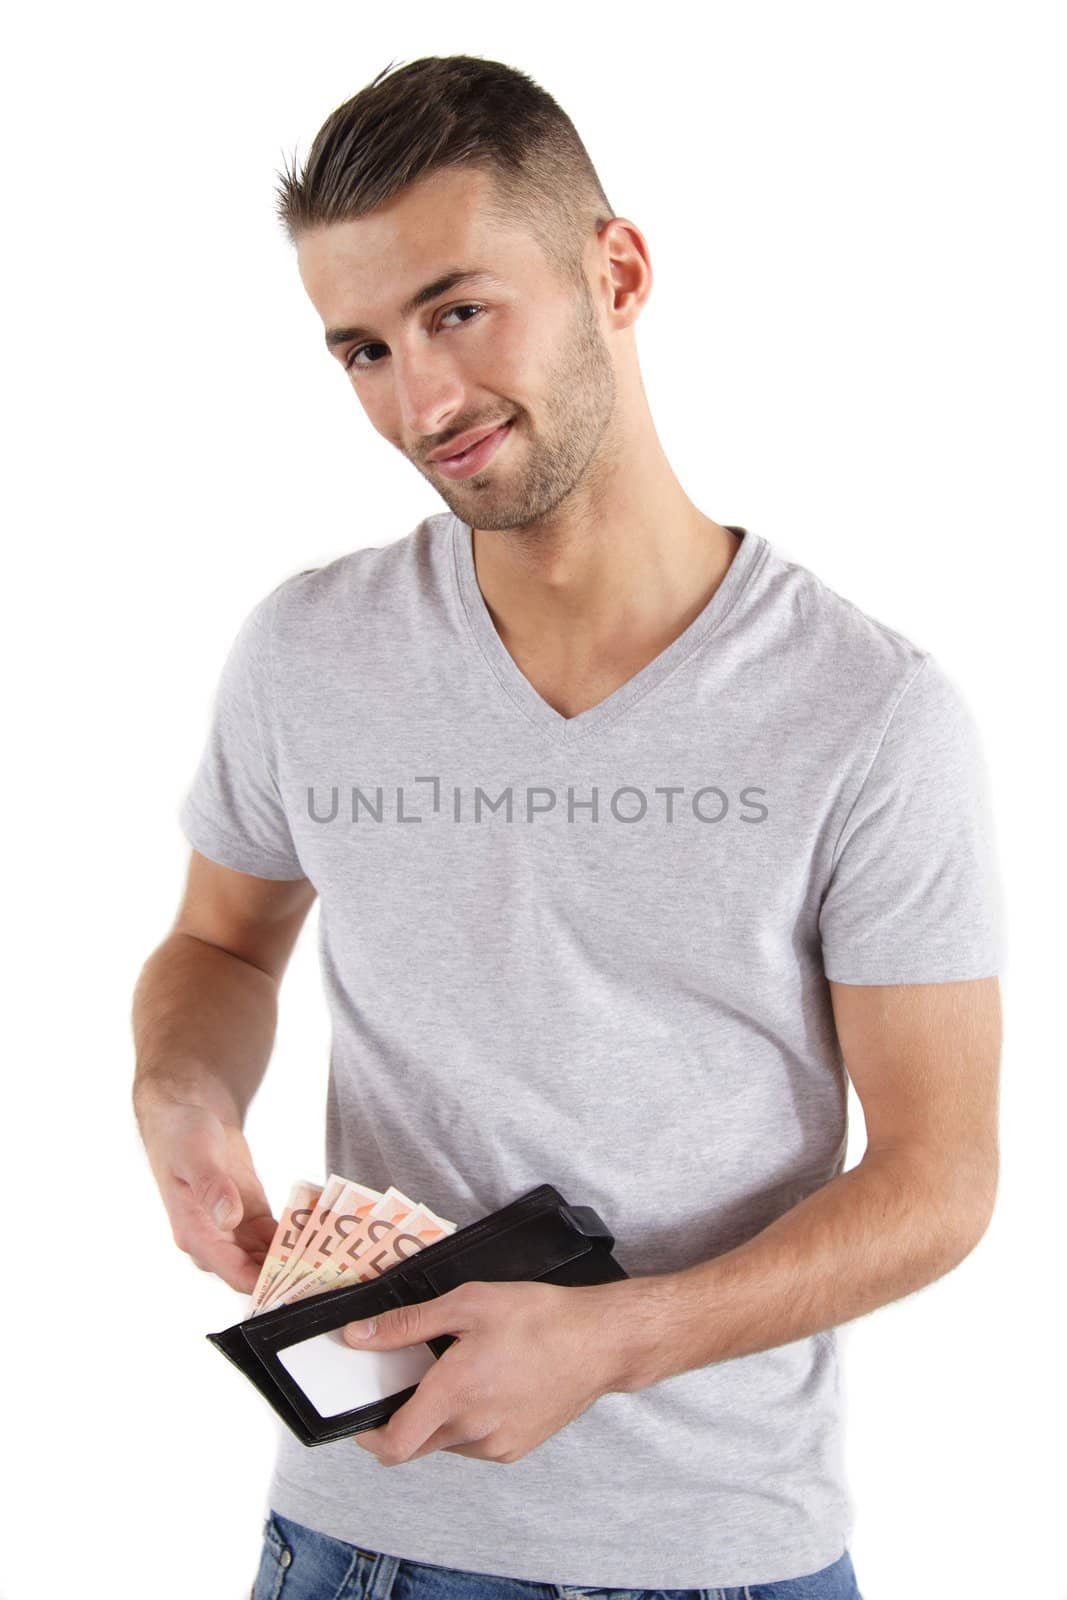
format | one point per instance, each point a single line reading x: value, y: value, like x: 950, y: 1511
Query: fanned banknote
x: 342, y: 1233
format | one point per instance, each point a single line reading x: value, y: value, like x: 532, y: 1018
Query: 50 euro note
x: 303, y: 1197
x: 339, y: 1211
x: 367, y: 1256
x: 340, y: 1230
x: 390, y: 1234
x: 263, y: 1296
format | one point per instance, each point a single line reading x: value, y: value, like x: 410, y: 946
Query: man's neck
x: 582, y: 615
x: 594, y: 587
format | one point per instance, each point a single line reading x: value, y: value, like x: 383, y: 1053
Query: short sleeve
x: 914, y: 894
x: 233, y: 811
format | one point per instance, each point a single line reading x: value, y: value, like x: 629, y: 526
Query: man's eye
x: 350, y: 359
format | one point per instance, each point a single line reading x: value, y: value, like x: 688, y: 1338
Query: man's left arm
x: 925, y: 1062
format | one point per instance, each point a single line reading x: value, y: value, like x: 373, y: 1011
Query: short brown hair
x: 453, y: 111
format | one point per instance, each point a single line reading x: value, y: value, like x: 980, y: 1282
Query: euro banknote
x: 338, y: 1233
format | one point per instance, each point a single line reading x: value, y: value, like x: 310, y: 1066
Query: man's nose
x: 430, y: 398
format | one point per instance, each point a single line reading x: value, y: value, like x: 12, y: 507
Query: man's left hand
x: 528, y: 1358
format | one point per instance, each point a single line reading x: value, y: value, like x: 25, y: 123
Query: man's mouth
x: 467, y: 462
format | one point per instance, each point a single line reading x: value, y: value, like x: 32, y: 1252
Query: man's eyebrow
x: 429, y: 291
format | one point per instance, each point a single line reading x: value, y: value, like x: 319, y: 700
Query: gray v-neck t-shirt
x: 593, y: 951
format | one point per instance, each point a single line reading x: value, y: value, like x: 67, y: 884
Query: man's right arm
x: 204, y: 1017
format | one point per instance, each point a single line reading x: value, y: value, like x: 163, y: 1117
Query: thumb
x: 214, y: 1191
x: 404, y: 1325
x: 217, y: 1194
x: 224, y: 1205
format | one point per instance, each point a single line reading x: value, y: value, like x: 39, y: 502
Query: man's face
x: 517, y: 345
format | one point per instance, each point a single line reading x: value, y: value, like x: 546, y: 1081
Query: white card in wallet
x: 336, y: 1377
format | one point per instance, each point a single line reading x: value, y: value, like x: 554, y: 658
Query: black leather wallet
x: 325, y: 1389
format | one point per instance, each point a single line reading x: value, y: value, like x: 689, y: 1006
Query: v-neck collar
x: 565, y: 730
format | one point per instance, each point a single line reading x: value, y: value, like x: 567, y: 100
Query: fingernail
x: 361, y: 1330
x: 221, y: 1212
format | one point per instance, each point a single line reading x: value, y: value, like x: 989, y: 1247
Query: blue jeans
x: 299, y: 1564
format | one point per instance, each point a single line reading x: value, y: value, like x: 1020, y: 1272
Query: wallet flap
x: 529, y: 1247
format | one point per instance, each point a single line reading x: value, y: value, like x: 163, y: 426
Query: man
x: 632, y: 841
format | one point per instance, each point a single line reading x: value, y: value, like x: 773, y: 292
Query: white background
x: 854, y: 345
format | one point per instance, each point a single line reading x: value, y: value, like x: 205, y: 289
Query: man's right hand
x: 219, y: 1213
